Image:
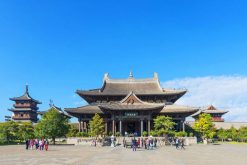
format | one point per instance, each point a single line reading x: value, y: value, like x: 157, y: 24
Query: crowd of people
x: 37, y: 144
x: 150, y: 143
x: 179, y: 143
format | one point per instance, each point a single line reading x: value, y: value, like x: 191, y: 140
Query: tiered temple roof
x: 131, y: 102
x: 122, y: 87
x: 52, y: 106
x: 178, y: 109
x: 132, y: 91
x: 213, y: 111
x: 25, y: 97
x: 210, y: 110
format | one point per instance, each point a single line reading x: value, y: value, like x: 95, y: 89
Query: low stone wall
x: 191, y: 140
x: 80, y: 141
x: 161, y: 141
x: 119, y: 140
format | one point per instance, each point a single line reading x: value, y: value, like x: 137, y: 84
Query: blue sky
x: 60, y: 46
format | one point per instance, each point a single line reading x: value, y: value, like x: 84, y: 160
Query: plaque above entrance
x: 131, y: 114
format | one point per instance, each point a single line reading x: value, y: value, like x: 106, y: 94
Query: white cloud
x: 225, y: 92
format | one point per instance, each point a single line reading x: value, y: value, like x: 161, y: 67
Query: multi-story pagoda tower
x: 25, y: 108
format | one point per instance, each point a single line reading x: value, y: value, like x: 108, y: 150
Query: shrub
x: 181, y: 134
x: 82, y: 134
x: 153, y: 133
x: 144, y: 134
x: 73, y: 131
x: 117, y: 134
x: 110, y: 133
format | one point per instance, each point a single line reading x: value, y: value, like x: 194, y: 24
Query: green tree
x: 222, y: 134
x: 163, y: 125
x: 52, y: 125
x: 8, y: 131
x: 233, y: 134
x: 243, y: 134
x: 25, y: 131
x: 205, y: 126
x: 97, y: 126
x: 72, y: 131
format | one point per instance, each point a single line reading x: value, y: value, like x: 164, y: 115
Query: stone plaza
x: 225, y: 154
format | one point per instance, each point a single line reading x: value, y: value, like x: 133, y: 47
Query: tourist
x: 124, y: 142
x: 37, y: 144
x: 46, y: 145
x: 142, y: 142
x: 155, y: 142
x: 182, y: 144
x: 114, y: 142
x: 27, y: 144
x: 145, y: 143
x: 40, y: 145
x: 176, y: 142
x: 126, y: 134
x: 43, y: 143
x: 151, y: 141
x: 135, y: 134
x: 139, y: 142
x: 31, y: 144
x: 134, y: 144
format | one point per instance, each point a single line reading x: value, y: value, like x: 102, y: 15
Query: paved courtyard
x: 87, y: 155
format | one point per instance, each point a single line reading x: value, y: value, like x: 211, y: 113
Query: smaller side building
x: 214, y: 112
x: 52, y: 106
x: 25, y: 108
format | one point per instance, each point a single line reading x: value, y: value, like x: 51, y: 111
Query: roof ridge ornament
x: 26, y: 88
x: 106, y: 76
x: 155, y: 75
x: 51, y: 104
x: 131, y: 74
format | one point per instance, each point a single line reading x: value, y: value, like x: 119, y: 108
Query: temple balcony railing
x: 218, y: 119
x: 25, y: 106
x: 21, y: 118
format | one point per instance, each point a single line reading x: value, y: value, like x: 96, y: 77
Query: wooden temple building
x: 214, y: 112
x: 130, y: 105
x: 25, y: 108
x: 54, y: 107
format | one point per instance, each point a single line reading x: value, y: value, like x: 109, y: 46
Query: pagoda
x: 130, y: 105
x: 215, y: 113
x: 25, y: 108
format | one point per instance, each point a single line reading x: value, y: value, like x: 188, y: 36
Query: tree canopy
x: 52, y: 125
x: 16, y: 131
x: 233, y: 134
x: 96, y: 125
x: 163, y: 125
x: 25, y: 131
x: 8, y: 131
x: 205, y: 126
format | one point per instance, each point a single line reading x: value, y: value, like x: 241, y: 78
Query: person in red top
x: 46, y: 144
x: 139, y: 142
